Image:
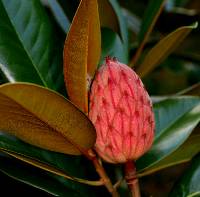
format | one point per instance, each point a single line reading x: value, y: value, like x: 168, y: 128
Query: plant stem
x: 131, y: 179
x: 102, y: 173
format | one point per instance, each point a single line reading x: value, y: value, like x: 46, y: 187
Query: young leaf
x: 44, y: 118
x: 188, y: 185
x: 175, y: 119
x: 49, y: 168
x: 34, y: 54
x: 161, y: 50
x: 82, y: 52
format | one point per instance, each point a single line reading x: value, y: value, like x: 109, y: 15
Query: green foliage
x: 31, y: 45
x: 149, y: 17
x: 188, y: 185
x: 175, y: 120
x: 27, y: 32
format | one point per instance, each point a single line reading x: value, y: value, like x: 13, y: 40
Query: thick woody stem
x: 102, y: 173
x: 131, y: 179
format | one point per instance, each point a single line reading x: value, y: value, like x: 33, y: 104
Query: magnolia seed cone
x: 121, y: 110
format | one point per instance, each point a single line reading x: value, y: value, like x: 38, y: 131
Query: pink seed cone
x: 121, y: 110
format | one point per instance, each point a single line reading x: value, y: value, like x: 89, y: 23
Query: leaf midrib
x: 26, y: 51
x: 49, y: 126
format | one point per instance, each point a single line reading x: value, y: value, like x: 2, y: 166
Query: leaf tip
x: 195, y: 25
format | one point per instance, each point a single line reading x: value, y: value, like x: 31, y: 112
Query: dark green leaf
x: 175, y: 118
x: 34, y: 177
x: 188, y: 185
x: 123, y: 29
x: 183, y: 154
x: 149, y: 18
x: 121, y: 19
x: 59, y: 14
x: 110, y: 19
x: 68, y: 164
x: 26, y: 31
x: 133, y: 21
x: 112, y: 46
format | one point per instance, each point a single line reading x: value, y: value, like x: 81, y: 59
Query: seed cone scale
x: 121, y: 111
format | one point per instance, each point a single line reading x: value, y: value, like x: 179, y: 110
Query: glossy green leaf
x: 150, y: 16
x: 115, y: 45
x: 175, y: 118
x: 82, y: 52
x: 188, y: 185
x: 112, y: 46
x: 26, y: 31
x: 183, y: 154
x: 66, y: 163
x: 34, y: 177
x: 123, y: 27
x: 133, y: 21
x: 59, y: 14
x: 44, y: 166
x: 45, y: 119
x: 161, y: 50
x: 21, y: 69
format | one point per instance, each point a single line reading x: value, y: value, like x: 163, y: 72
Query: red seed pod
x: 121, y: 110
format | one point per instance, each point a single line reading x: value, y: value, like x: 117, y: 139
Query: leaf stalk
x: 131, y: 179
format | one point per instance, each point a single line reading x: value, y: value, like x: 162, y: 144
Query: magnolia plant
x: 105, y: 114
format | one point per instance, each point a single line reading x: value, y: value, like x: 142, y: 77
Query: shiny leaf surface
x: 61, y: 127
x: 33, y: 177
x: 112, y: 46
x: 26, y: 31
x: 175, y: 119
x: 123, y: 28
x: 59, y: 14
x: 48, y: 168
x: 82, y: 52
x: 66, y: 163
x: 188, y: 185
x: 183, y: 154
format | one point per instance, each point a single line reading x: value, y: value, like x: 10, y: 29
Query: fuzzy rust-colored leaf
x: 161, y: 50
x: 82, y: 52
x: 45, y: 119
